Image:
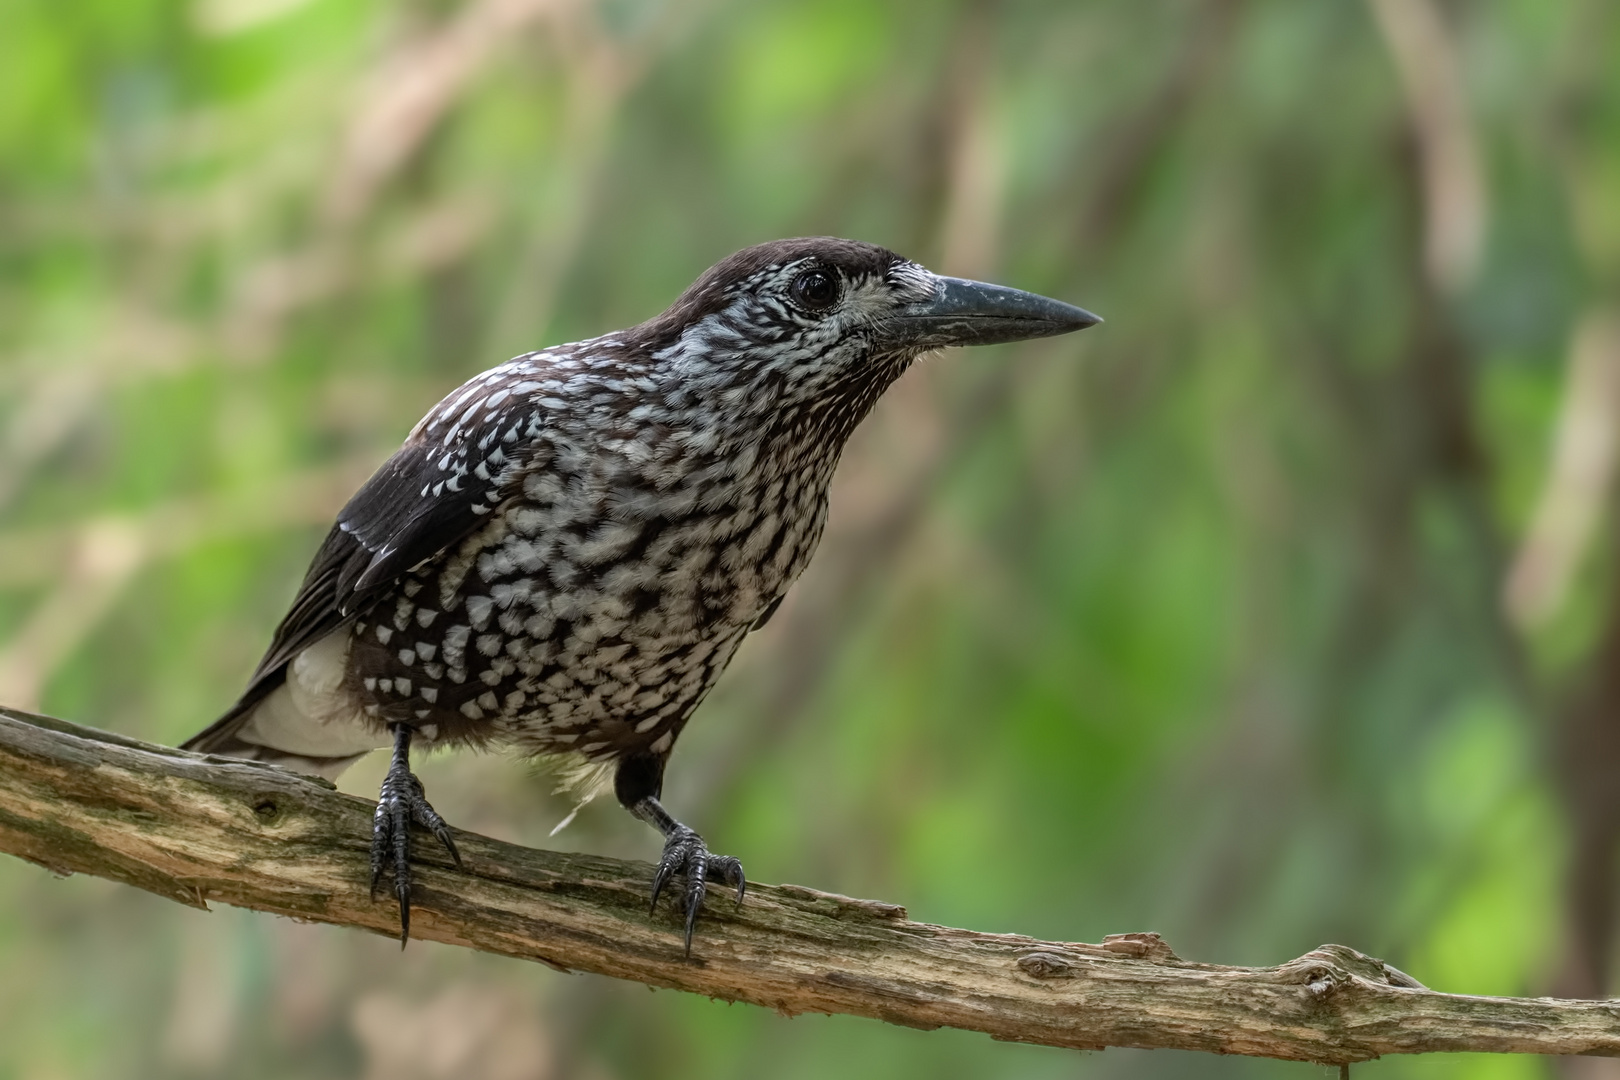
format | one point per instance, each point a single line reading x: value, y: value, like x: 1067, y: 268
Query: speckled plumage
x: 568, y: 549
x: 627, y: 549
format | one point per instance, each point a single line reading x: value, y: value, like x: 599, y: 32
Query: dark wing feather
x: 387, y: 528
x: 428, y: 497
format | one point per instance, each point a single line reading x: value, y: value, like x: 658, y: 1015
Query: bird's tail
x: 225, y: 738
x: 299, y: 718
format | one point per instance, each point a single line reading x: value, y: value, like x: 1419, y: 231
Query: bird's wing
x: 403, y: 516
x: 459, y: 464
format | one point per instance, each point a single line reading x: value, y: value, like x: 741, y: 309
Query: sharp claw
x: 696, y: 872
x: 694, y: 904
x: 728, y: 871
x: 402, y: 871
x: 660, y: 879
x: 443, y: 834
x: 402, y: 889
x: 429, y: 819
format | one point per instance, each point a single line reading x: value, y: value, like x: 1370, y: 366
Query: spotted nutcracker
x: 569, y: 548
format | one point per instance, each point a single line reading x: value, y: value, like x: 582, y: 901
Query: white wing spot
x: 478, y: 610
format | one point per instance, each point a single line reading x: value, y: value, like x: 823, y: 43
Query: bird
x: 567, y: 550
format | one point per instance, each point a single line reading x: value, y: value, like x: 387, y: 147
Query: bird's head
x: 807, y: 320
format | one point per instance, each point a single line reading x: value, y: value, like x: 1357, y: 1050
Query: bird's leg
x: 686, y: 853
x: 401, y: 802
x: 637, y: 784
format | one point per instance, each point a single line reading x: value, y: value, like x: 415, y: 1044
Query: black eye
x: 815, y: 289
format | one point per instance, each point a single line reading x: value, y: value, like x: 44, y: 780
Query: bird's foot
x: 401, y: 802
x: 686, y: 853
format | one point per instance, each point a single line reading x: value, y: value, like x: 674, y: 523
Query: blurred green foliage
x: 1195, y: 622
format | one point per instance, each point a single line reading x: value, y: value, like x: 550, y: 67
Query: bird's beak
x: 966, y: 312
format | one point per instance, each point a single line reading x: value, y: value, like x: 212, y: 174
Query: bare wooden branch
x: 196, y: 829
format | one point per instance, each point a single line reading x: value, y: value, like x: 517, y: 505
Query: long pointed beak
x: 965, y: 312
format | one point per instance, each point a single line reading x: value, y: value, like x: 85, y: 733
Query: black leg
x: 400, y: 803
x: 685, y: 853
x: 637, y: 784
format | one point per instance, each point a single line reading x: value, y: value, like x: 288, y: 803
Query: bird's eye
x: 815, y: 289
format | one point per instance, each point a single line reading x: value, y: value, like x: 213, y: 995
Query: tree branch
x: 196, y: 828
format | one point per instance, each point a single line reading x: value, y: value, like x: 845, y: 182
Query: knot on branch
x: 1329, y: 968
x: 1045, y: 965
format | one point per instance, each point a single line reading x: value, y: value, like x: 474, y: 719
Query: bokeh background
x: 1280, y: 609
